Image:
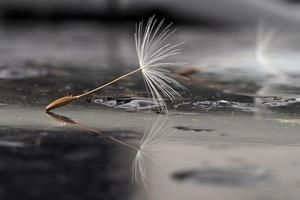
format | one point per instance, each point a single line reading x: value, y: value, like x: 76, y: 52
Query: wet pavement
x: 235, y: 136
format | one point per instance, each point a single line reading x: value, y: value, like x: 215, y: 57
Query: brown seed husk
x: 61, y: 102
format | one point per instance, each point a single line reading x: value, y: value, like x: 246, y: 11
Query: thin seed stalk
x: 69, y: 99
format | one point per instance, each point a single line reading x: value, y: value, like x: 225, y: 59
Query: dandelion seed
x: 153, y: 50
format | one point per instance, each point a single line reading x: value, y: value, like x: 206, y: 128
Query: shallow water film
x: 235, y: 134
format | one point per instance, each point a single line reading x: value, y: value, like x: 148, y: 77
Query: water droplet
x: 223, y: 105
x: 278, y: 102
x: 128, y: 103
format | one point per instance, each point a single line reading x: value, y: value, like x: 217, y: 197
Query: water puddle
x: 223, y: 105
x: 200, y: 152
x: 229, y: 177
x: 128, y: 103
x: 184, y: 128
x: 279, y: 104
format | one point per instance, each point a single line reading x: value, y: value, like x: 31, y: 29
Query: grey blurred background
x: 98, y: 34
x: 209, y: 12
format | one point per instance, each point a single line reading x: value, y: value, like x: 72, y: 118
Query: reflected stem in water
x: 149, y: 144
x: 68, y: 120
